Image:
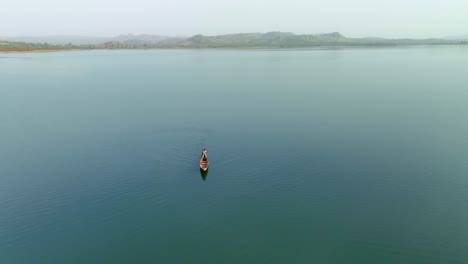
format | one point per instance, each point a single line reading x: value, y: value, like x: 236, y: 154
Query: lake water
x: 316, y: 156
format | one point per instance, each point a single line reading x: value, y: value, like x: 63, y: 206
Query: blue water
x: 316, y: 156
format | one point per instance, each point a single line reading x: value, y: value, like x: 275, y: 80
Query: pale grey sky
x: 356, y: 18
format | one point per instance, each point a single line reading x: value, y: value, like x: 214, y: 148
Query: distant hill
x: 136, y: 40
x: 270, y: 39
x: 290, y: 40
x: 241, y: 40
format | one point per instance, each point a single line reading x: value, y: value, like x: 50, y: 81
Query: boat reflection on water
x: 204, y: 174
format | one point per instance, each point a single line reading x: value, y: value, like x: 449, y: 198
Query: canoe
x: 204, y: 161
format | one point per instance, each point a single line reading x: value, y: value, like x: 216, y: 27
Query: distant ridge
x: 242, y: 40
x: 269, y: 39
x: 145, y: 39
x: 291, y: 40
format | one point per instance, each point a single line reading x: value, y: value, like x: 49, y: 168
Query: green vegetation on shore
x: 23, y: 46
x: 243, y: 40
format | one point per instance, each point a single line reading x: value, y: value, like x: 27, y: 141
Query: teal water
x: 316, y: 156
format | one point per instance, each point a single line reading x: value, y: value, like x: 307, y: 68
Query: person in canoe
x: 204, y: 161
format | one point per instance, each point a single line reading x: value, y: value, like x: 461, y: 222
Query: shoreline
x: 29, y: 51
x: 230, y: 48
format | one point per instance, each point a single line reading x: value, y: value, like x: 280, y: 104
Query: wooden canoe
x: 204, y: 162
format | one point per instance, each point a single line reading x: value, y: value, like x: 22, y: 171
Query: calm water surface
x: 316, y: 156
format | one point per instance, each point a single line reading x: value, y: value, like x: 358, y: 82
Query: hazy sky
x: 355, y: 18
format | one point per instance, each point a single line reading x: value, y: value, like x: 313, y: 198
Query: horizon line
x: 210, y: 35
